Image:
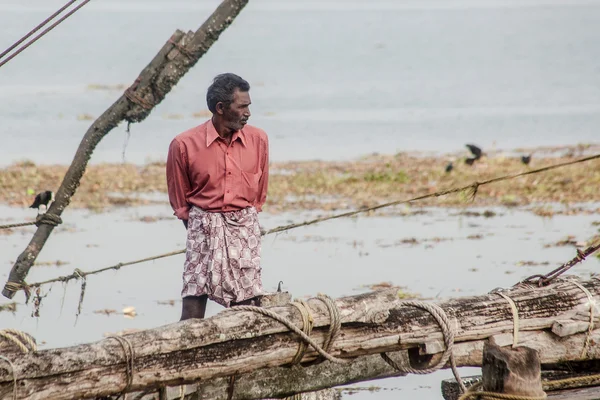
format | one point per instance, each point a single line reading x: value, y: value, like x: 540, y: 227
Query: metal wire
x: 29, y: 43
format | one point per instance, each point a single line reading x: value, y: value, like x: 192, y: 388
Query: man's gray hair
x: 222, y: 88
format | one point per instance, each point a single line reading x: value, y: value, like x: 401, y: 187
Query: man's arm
x: 263, y: 183
x: 178, y: 184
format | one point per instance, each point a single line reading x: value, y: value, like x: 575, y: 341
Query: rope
x: 135, y: 98
x: 290, y: 325
x: 448, y: 332
x: 35, y: 39
x: 48, y: 219
x: 282, y: 228
x: 77, y: 274
x: 592, y: 303
x: 129, y: 358
x: 335, y: 321
x: 18, y: 225
x: 307, y: 326
x: 515, y: 314
x: 575, y: 381
x: 547, y: 386
x: 473, y: 187
x: 21, y: 339
x: 475, y: 393
x: 14, y: 375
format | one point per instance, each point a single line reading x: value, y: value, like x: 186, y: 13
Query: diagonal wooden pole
x: 174, y: 60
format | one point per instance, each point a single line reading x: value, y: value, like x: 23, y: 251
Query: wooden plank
x: 239, y: 343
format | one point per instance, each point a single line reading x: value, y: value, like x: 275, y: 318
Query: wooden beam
x: 237, y: 343
x: 171, y: 63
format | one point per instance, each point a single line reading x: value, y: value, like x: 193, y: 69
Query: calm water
x: 470, y: 259
x: 331, y: 79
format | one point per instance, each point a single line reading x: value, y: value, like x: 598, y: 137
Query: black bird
x: 449, y: 167
x: 526, y: 159
x: 476, y: 151
x: 43, y: 199
x: 470, y: 161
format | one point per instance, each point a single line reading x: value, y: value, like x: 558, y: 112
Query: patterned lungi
x: 223, y: 256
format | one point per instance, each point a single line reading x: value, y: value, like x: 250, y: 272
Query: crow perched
x: 476, y: 151
x: 526, y: 159
x: 449, y: 167
x: 43, y: 199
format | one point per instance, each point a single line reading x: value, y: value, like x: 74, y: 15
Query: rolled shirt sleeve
x: 178, y: 184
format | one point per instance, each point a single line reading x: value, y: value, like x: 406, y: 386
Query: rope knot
x: 48, y: 219
x: 78, y: 273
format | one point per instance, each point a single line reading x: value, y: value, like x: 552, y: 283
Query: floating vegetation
x: 105, y: 311
x: 9, y: 307
x: 85, y: 117
x: 99, y: 86
x: 335, y: 186
x: 202, y: 114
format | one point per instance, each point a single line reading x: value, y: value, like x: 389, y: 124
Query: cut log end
x: 514, y: 371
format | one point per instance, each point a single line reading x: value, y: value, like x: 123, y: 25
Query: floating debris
x: 99, y: 86
x: 167, y: 302
x: 475, y: 237
x: 173, y: 116
x: 85, y: 117
x: 202, y: 114
x: 129, y: 312
x: 531, y: 263
x: 56, y: 263
x: 568, y: 241
x: 105, y: 311
x: 10, y: 307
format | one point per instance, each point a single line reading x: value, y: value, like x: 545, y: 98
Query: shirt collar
x: 212, y: 135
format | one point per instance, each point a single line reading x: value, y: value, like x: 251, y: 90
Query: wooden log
x: 235, y: 342
x: 153, y: 84
x: 557, y: 384
x: 515, y: 371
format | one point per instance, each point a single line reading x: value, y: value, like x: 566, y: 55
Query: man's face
x: 236, y: 115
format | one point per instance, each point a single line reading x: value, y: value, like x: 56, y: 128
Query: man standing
x: 217, y: 177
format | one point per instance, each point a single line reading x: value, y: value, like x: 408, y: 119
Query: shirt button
x: 228, y: 191
x: 229, y: 173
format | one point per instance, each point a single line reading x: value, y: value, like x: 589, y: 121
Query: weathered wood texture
x: 515, y: 371
x: 235, y: 342
x: 153, y: 84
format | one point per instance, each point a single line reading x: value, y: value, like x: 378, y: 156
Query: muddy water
x: 438, y: 253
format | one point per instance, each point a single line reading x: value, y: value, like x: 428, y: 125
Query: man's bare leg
x: 193, y: 307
